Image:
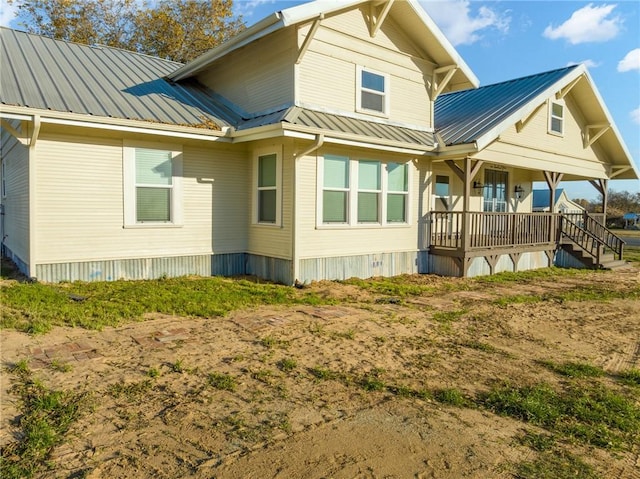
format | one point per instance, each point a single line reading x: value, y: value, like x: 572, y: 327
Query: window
x: 267, y: 209
x: 372, y: 92
x: 397, y: 192
x: 335, y: 195
x: 556, y: 118
x: 369, y: 190
x: 362, y: 192
x: 442, y: 186
x: 152, y: 185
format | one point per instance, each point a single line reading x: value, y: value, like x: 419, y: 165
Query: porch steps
x: 607, y: 260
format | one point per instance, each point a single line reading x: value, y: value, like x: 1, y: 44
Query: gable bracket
x: 618, y: 170
x: 520, y: 124
x: 376, y: 23
x: 588, y: 139
x: 437, y: 87
x: 563, y: 92
x: 15, y: 133
x: 310, y: 35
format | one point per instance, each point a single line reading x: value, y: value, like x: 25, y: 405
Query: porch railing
x: 492, y: 230
x: 591, y: 235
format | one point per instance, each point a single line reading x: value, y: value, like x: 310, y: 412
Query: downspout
x: 32, y: 195
x: 294, y: 224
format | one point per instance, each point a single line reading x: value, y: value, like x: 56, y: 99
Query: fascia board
x: 116, y: 124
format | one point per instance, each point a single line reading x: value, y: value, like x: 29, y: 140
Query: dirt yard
x: 330, y: 391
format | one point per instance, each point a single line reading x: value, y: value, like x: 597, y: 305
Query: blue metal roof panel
x: 39, y: 72
x: 464, y: 116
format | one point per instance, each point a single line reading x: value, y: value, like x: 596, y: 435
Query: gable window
x: 556, y: 118
x: 362, y: 192
x: 152, y: 179
x: 372, y: 92
x: 267, y: 171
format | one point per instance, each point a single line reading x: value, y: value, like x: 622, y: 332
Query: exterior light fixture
x: 519, y: 191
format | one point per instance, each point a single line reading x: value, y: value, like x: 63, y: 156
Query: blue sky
x: 501, y: 40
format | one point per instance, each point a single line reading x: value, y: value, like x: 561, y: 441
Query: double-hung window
x: 152, y: 178
x: 556, y: 118
x: 268, y: 194
x: 335, y: 193
x: 397, y: 192
x: 362, y: 192
x: 372, y: 92
x: 369, y: 191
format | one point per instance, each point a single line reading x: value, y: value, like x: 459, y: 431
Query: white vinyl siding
x: 341, y: 45
x: 80, y: 203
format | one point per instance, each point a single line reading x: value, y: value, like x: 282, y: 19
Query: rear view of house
x: 324, y: 142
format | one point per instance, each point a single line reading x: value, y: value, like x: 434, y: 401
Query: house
x: 329, y: 140
x: 562, y: 203
x: 631, y: 221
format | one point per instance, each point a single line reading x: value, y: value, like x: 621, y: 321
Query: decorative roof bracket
x: 310, y: 35
x: 563, y: 92
x: 376, y: 22
x: 520, y: 124
x: 438, y: 87
x: 588, y: 139
x: 15, y: 133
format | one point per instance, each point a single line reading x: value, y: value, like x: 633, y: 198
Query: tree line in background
x: 177, y: 30
x: 619, y: 203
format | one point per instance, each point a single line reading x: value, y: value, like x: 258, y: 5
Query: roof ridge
x: 513, y: 80
x: 94, y: 46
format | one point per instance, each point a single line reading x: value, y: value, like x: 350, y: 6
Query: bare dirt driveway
x: 375, y: 386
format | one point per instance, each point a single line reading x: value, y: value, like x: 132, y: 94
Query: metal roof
x: 315, y: 119
x: 39, y: 72
x: 464, y: 116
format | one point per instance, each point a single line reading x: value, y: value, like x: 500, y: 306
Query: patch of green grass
x: 555, y: 465
x: 631, y: 254
x: 57, y: 365
x: 528, y: 276
x: 372, y: 382
x: 323, y: 373
x: 177, y: 366
x: 449, y: 316
x: 480, y: 346
x: 46, y: 416
x: 349, y: 334
x: 538, y: 442
x: 451, y: 397
x: 130, y: 390
x: 588, y: 413
x: 37, y: 307
x: 574, y: 370
x: 396, y: 286
x: 263, y: 375
x: 630, y: 377
x: 223, y: 381
x: 287, y: 364
x: 153, y: 372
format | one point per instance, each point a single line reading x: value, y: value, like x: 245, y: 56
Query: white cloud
x: 7, y: 13
x: 635, y: 115
x: 587, y: 63
x: 631, y: 61
x: 460, y: 25
x: 588, y: 24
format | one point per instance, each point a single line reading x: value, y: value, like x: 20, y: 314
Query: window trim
x: 352, y: 195
x: 360, y: 89
x: 554, y: 117
x: 130, y: 185
x: 257, y: 154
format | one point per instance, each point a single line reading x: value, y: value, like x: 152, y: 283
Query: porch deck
x: 467, y: 235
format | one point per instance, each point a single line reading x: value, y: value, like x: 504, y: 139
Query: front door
x: 495, y: 191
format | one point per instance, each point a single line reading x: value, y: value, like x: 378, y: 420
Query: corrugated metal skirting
x: 563, y: 259
x: 360, y: 266
x: 273, y: 269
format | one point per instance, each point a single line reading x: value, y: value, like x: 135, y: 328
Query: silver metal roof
x: 39, y: 72
x: 464, y: 116
x: 343, y: 124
